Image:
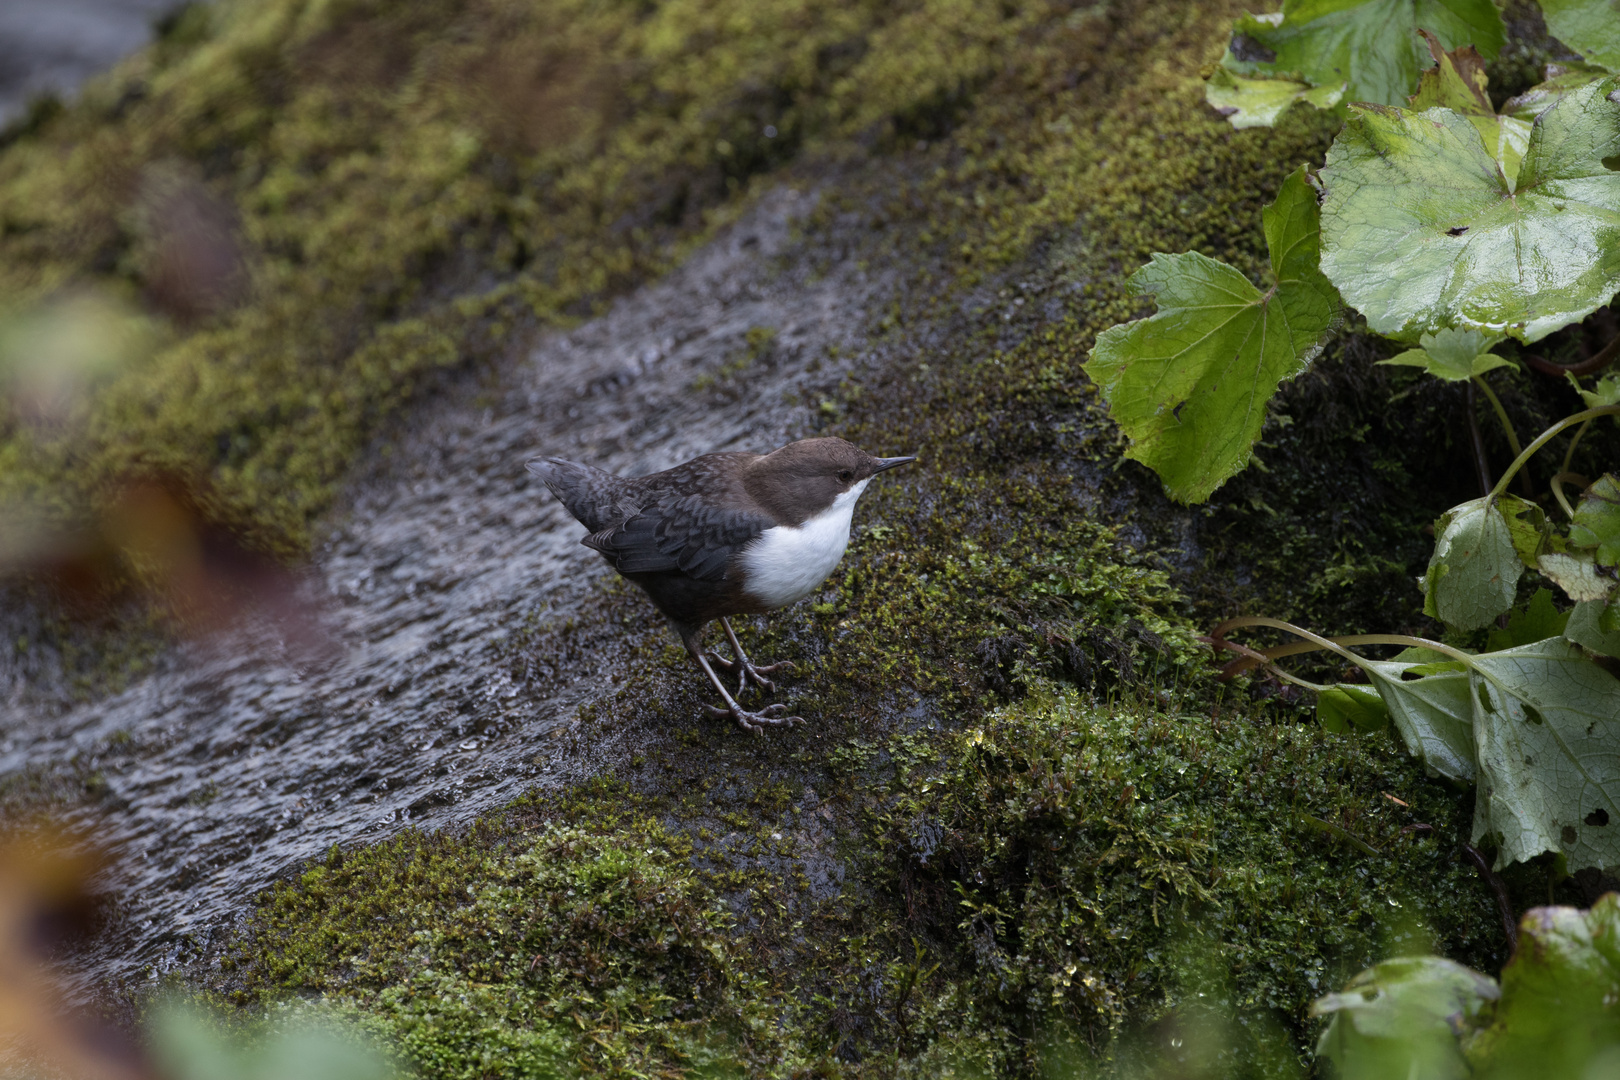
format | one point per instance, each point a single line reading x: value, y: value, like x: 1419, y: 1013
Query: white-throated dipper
x: 724, y: 534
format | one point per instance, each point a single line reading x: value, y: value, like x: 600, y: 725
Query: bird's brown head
x: 804, y: 478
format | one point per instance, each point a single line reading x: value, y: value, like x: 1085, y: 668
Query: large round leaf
x: 1421, y: 230
x: 1370, y: 46
x: 1592, y: 26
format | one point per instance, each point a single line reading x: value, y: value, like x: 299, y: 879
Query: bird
x: 724, y: 534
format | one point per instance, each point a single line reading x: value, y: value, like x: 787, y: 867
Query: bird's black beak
x: 891, y: 462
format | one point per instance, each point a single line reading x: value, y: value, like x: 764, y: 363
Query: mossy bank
x: 1026, y: 831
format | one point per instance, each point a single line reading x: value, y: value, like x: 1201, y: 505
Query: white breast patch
x: 786, y: 563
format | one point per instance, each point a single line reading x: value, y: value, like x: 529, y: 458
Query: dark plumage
x: 723, y: 534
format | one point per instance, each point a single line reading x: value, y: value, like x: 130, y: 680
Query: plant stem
x: 1558, y: 492
x: 1512, y: 436
x: 1501, y: 414
x: 1569, y: 455
x: 1503, y: 904
x: 1482, y: 466
x: 1313, y: 642
x: 1545, y: 437
x: 1590, y: 366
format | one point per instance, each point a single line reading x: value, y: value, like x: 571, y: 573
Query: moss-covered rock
x: 1027, y: 831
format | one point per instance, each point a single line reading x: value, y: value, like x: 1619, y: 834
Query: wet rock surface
x: 53, y: 47
x: 400, y: 699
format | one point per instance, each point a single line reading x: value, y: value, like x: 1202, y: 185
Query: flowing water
x: 246, y: 755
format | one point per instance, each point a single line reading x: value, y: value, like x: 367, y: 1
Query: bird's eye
x: 847, y: 475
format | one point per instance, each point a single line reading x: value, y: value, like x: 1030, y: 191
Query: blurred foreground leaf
x: 188, y: 1044
x: 1401, y: 1018
x: 1554, y: 1014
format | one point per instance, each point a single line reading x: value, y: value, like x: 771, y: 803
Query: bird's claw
x: 755, y: 722
x: 749, y: 672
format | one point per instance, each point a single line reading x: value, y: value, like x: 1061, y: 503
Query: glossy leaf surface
x: 1422, y: 231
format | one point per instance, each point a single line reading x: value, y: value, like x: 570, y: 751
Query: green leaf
x: 1258, y: 102
x: 1457, y: 82
x: 1401, y: 1018
x: 1546, y: 728
x: 1427, y: 661
x: 1422, y: 231
x: 1474, y: 572
x: 1189, y: 385
x: 1556, y: 1016
x: 1597, y: 521
x: 1606, y: 391
x: 1527, y: 525
x: 1347, y: 706
x: 1586, y: 627
x: 1370, y: 45
x: 1424, y: 1016
x: 1453, y: 355
x: 1591, y: 27
x: 1578, y: 575
x: 1434, y: 715
x: 1561, y: 79
x: 1536, y: 621
x: 1537, y: 726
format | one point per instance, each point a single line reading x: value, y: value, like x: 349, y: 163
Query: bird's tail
x: 590, y: 494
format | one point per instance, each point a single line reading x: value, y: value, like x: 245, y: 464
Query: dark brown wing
x: 680, y: 531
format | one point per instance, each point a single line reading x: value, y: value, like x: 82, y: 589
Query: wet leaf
x: 1402, y: 1017
x: 1189, y: 385
x: 1453, y: 355
x: 1457, y: 82
x: 1371, y: 45
x: 1595, y: 625
x: 1596, y: 525
x: 1591, y: 27
x: 1348, y: 706
x: 1258, y: 102
x: 1535, y: 621
x: 1474, y: 572
x: 1561, y: 80
x: 1578, y: 575
x: 1546, y: 729
x: 1556, y: 1016
x: 1421, y: 230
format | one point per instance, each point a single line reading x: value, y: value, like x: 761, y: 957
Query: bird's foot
x: 748, y: 672
x: 756, y: 722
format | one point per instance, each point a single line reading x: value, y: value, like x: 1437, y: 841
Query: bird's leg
x: 745, y: 671
x: 756, y: 722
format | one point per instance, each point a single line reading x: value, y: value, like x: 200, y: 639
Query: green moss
x: 1087, y: 862
x: 324, y: 203
x: 560, y: 935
